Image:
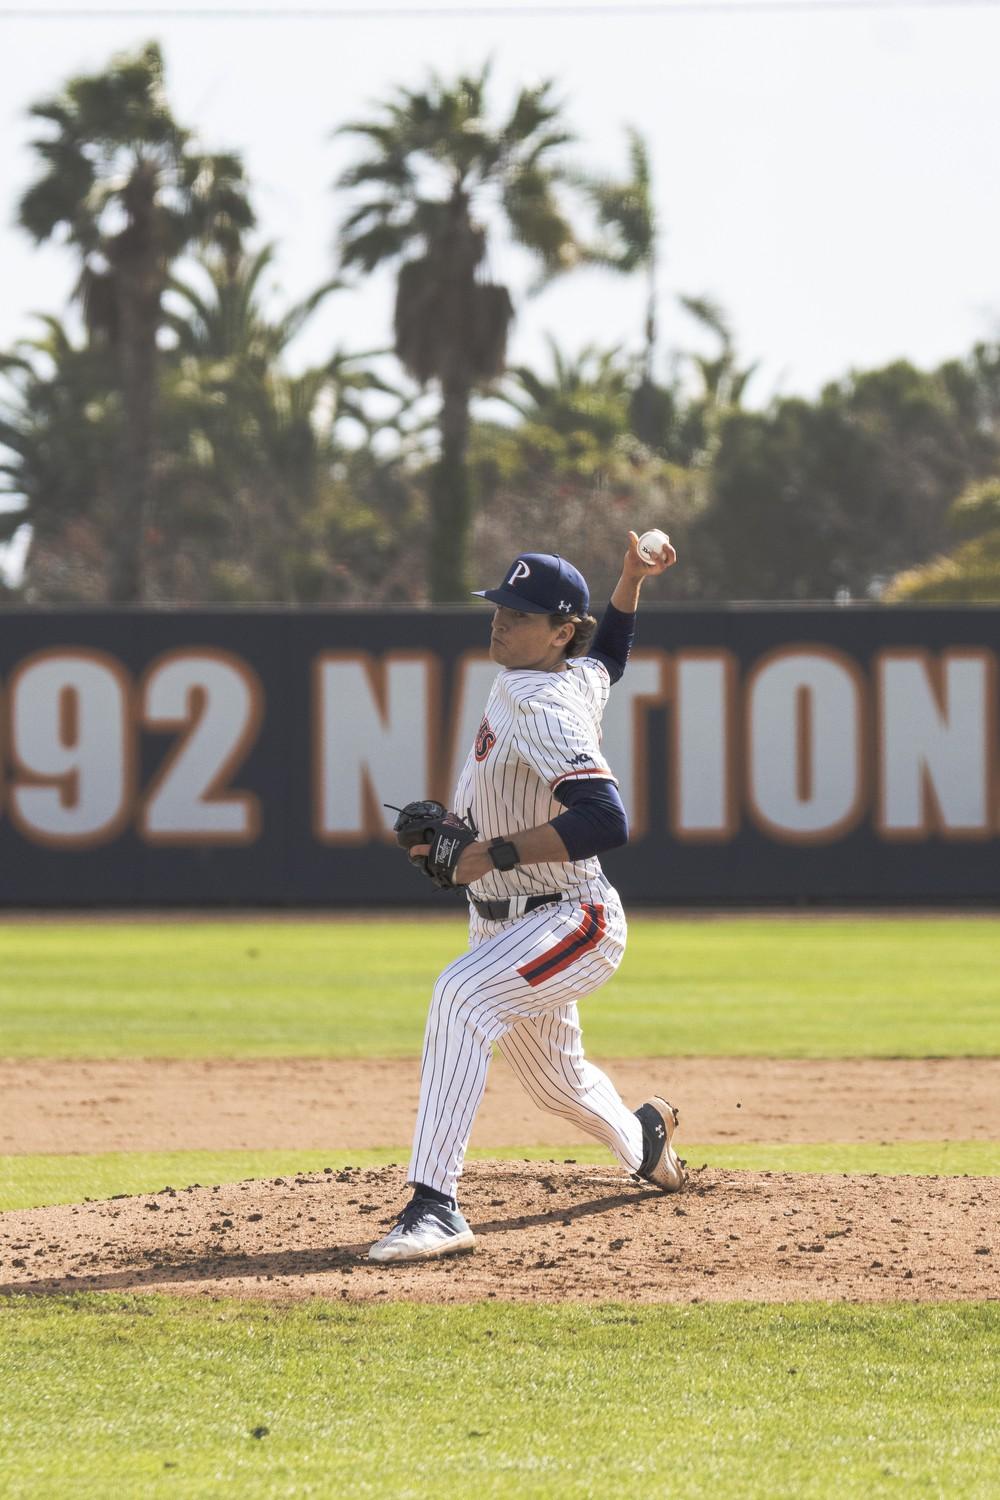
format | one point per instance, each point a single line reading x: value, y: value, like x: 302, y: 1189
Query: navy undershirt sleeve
x: 613, y: 640
x: 595, y: 819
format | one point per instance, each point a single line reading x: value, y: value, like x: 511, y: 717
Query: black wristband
x: 503, y: 854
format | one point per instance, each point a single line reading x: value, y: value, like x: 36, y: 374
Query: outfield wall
x: 764, y: 755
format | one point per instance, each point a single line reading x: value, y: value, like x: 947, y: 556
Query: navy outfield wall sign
x: 235, y: 757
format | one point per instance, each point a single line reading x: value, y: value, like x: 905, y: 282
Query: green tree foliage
x: 630, y: 244
x: 683, y: 428
x: 970, y: 573
x: 570, y: 476
x: 256, y: 495
x: 124, y: 186
x: 811, y: 499
x: 438, y: 180
x: 720, y: 385
x: 60, y: 421
x: 582, y: 406
x: 173, y: 454
x: 271, y: 502
x: 626, y: 214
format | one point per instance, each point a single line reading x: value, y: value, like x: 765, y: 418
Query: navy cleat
x: 660, y: 1163
x: 423, y: 1231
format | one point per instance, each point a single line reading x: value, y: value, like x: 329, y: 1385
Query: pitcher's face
x: 525, y: 641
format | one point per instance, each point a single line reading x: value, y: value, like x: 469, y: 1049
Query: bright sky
x: 829, y: 176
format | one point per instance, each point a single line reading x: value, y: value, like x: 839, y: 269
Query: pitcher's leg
x: 470, y: 1007
x: 546, y: 1054
x: 538, y: 966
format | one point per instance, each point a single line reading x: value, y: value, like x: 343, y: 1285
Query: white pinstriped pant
x: 517, y: 986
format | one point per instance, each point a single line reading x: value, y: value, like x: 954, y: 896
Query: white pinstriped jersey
x: 539, y: 730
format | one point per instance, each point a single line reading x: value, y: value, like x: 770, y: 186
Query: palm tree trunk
x: 140, y: 274
x: 451, y: 501
x: 137, y: 364
x: 649, y: 356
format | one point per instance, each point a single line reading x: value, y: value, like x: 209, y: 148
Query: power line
x: 490, y: 11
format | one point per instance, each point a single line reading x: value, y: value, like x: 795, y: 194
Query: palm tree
x: 626, y: 212
x: 587, y: 393
x: 227, y: 346
x: 226, y: 321
x: 263, y: 444
x: 724, y: 382
x: 125, y: 187
x: 435, y: 173
x: 60, y: 418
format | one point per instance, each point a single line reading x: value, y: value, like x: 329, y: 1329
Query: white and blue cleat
x: 424, y: 1231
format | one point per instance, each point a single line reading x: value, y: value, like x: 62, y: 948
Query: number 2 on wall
x: 218, y: 701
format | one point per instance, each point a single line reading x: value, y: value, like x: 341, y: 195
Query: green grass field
x: 781, y: 988
x: 152, y: 1398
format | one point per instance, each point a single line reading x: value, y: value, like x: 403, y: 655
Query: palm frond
x: 544, y: 145
x: 57, y: 112
x: 639, y: 161
x: 14, y: 362
x: 709, y: 313
x: 57, y: 197
x: 340, y: 368
x: 379, y: 211
x: 380, y: 133
x: 298, y: 315
x: 533, y: 385
x: 538, y: 222
x: 533, y: 108
x: 383, y: 242
x: 739, y: 381
x: 391, y: 170
x: 625, y: 213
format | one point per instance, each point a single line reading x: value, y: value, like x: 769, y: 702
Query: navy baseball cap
x: 542, y: 583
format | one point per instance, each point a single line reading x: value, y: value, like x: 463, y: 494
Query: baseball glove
x: 447, y: 833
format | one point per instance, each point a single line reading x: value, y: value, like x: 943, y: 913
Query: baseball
x: 651, y: 544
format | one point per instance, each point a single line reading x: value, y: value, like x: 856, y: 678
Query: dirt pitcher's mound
x: 545, y: 1232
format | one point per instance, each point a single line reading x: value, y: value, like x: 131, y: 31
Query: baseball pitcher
x: 535, y: 805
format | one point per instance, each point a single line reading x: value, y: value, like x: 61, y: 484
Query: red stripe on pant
x: 582, y: 940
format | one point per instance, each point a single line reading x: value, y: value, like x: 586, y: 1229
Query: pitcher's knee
x: 457, y: 1002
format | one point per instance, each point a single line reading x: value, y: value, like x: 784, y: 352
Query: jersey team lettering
x: 485, y: 740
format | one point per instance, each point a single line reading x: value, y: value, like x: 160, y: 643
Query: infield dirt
x: 545, y: 1233
x: 125, y: 1104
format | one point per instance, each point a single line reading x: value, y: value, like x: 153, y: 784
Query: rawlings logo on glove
x: 446, y: 833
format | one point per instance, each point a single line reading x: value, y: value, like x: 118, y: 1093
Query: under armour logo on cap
x: 541, y: 583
